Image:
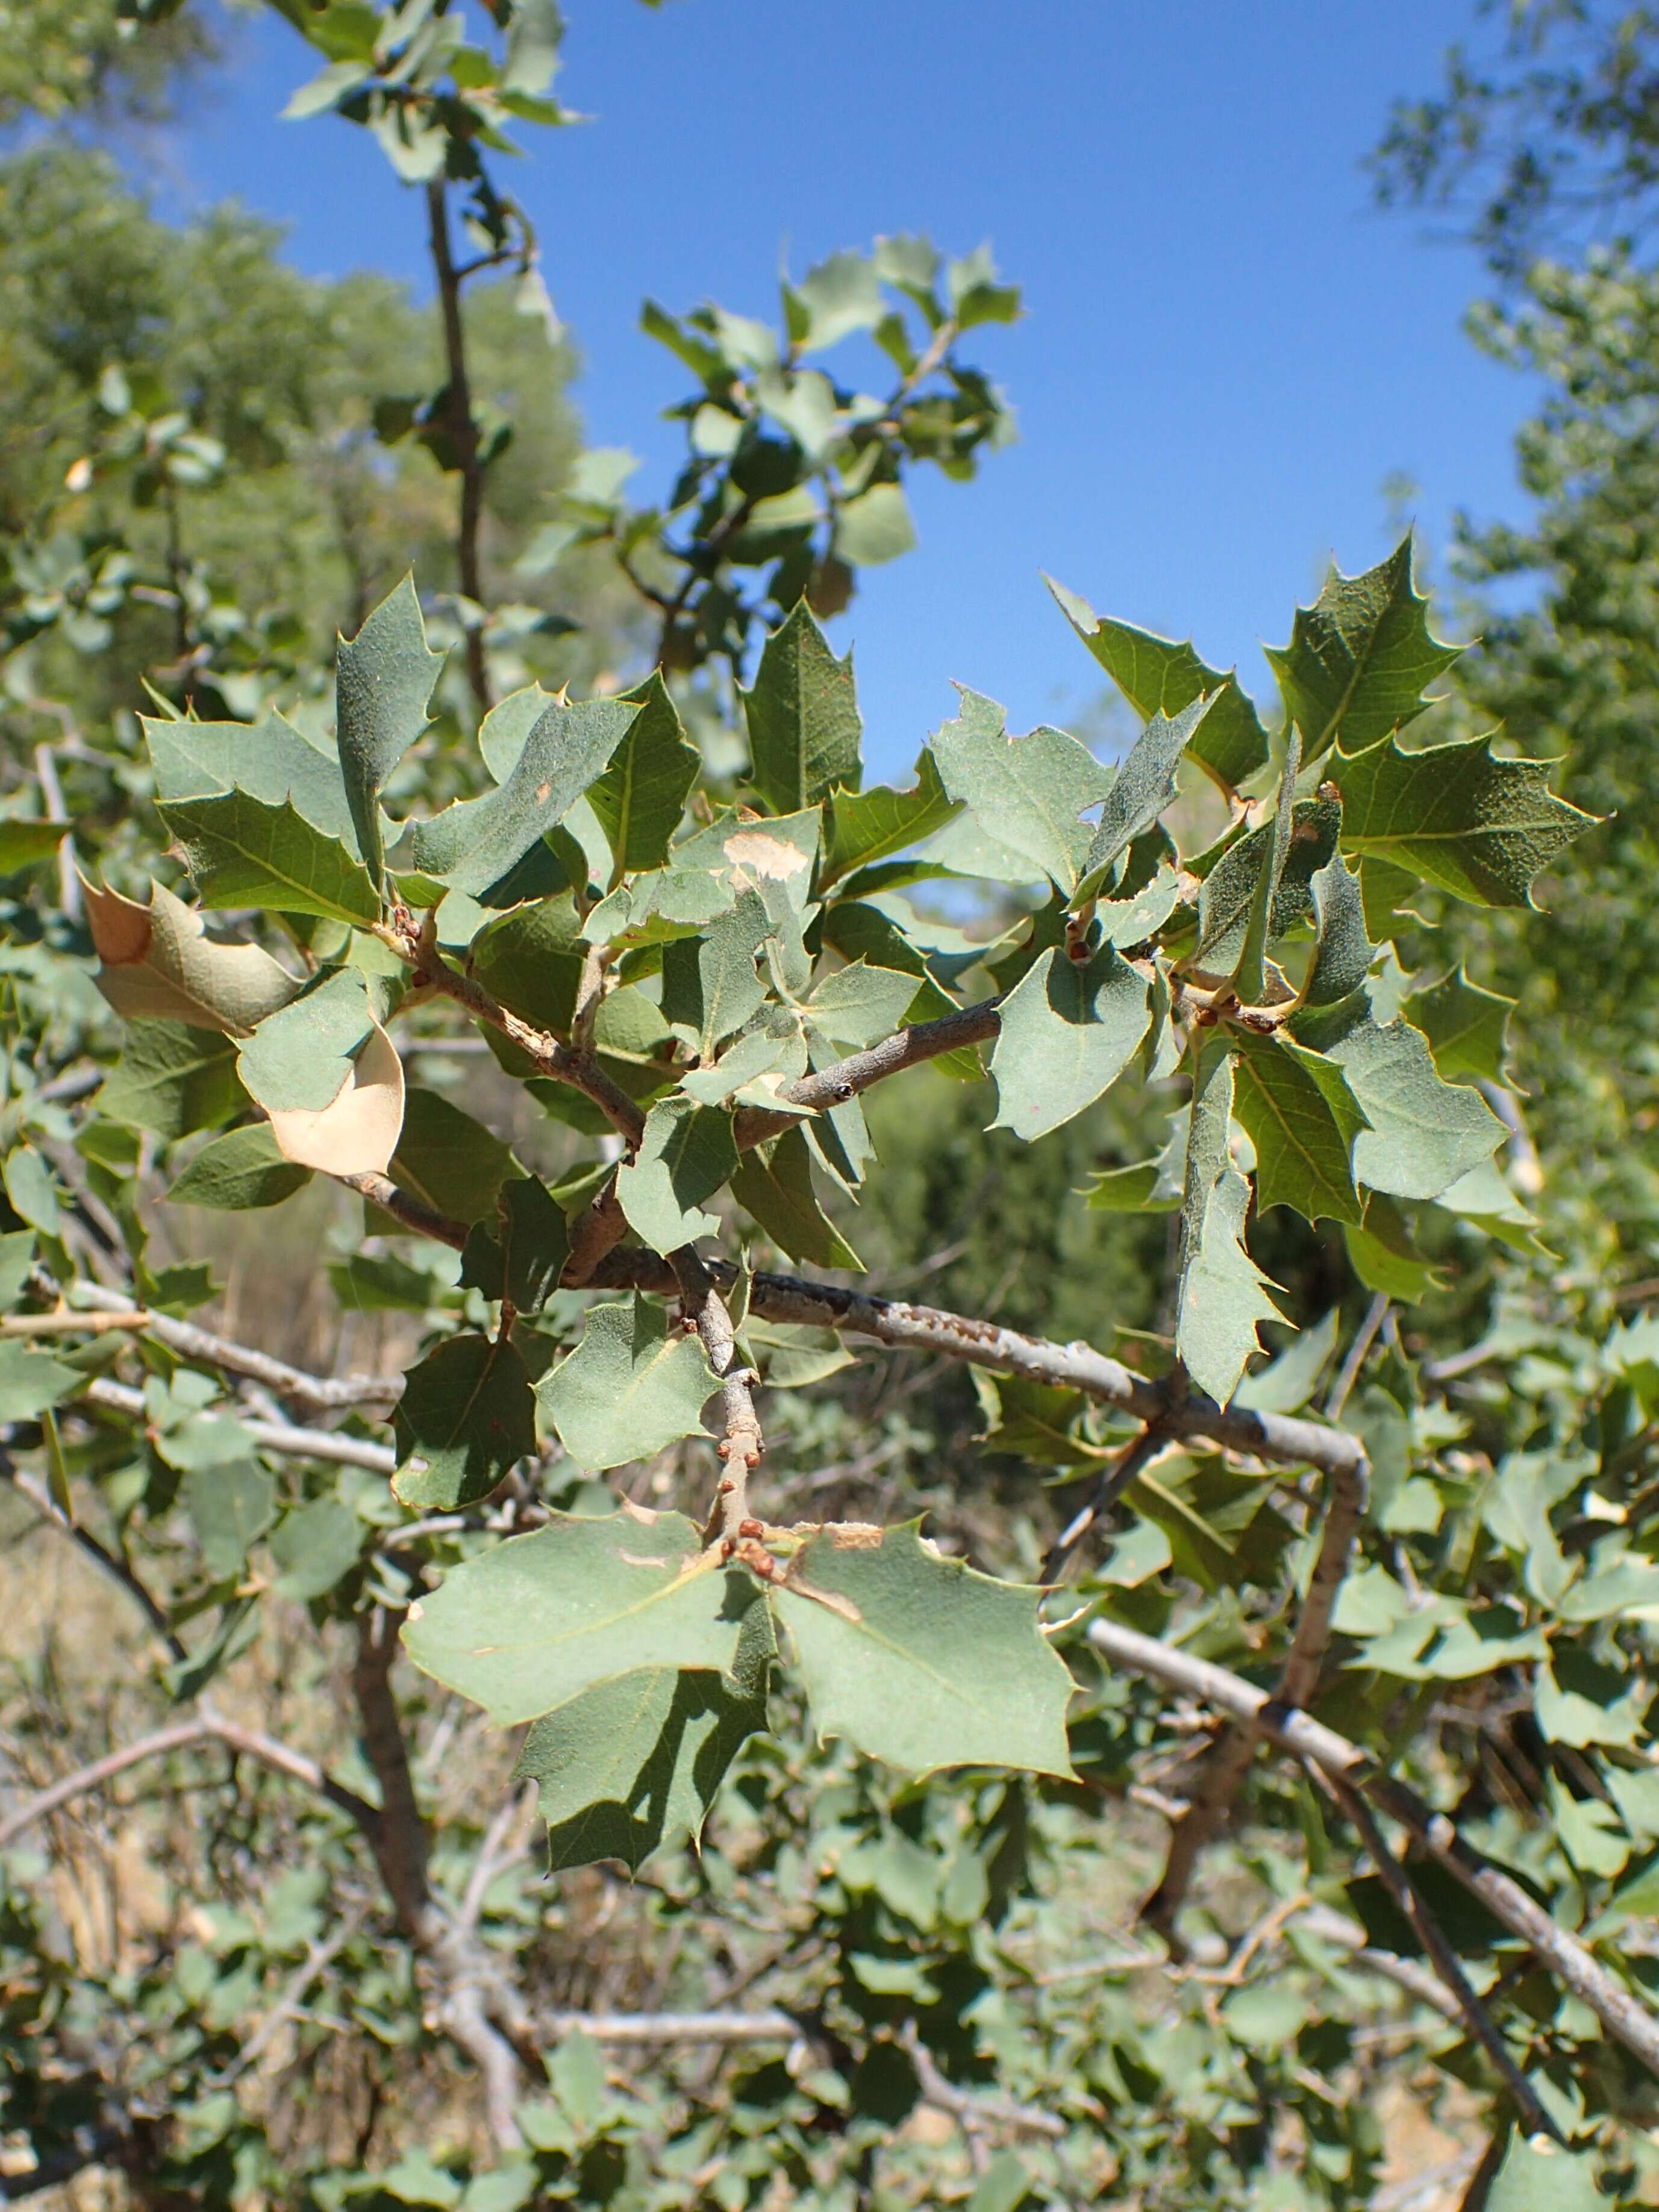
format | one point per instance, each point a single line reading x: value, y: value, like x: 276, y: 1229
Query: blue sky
x: 1226, y: 352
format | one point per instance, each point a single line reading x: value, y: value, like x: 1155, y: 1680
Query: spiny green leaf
x: 1360, y: 656
x: 774, y: 1184
x: 1221, y: 1300
x: 25, y: 842
x: 710, y: 986
x: 1159, y: 677
x: 633, y: 1386
x: 1342, y: 951
x: 301, y: 1056
x: 384, y: 678
x: 241, y: 1170
x: 805, y: 734
x: 30, y: 1381
x: 864, y: 827
x: 1466, y: 1025
x: 642, y: 794
x: 230, y: 1509
x: 1249, y: 977
x: 1144, y: 786
x: 1066, y: 1034
x: 531, y: 961
x: 535, y: 1621
x: 916, y: 1660
x: 858, y: 1005
x: 159, y: 964
x: 1481, y: 827
x: 173, y: 1078
x: 242, y: 853
x: 270, y: 760
x: 449, y: 1160
x: 634, y: 1764
x: 686, y: 1154
x: 1384, y: 1257
x: 1423, y: 1134
x: 1229, y: 889
x: 522, y: 1260
x: 1028, y: 794
x: 1303, y: 1120
x: 466, y: 1418
x: 476, y: 845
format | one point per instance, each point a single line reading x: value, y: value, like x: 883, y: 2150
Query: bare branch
x: 1281, y: 1439
x: 1364, y: 1337
x: 380, y: 1190
x: 741, y: 1441
x: 208, y: 1726
x: 281, y: 1437
x: 552, y: 1055
x: 1623, y: 2015
x: 108, y: 1562
x: 1432, y: 1937
x: 462, y: 436
x: 1114, y: 1480
x: 908, y: 1048
x: 1223, y: 1774
x: 103, y: 1309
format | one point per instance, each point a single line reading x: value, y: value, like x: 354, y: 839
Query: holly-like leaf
x: 757, y: 1065
x: 160, y: 965
x: 1303, y: 1120
x: 634, y: 1764
x: 522, y: 1260
x: 240, y: 1171
x: 686, y: 1154
x: 1158, y: 676
x: 1359, y: 658
x: 357, y: 1132
x: 916, y: 1660
x: 864, y: 827
x: 448, y: 1160
x: 710, y: 985
x: 1342, y: 951
x: 537, y: 1620
x: 773, y: 1182
x: 242, y: 852
x: 270, y: 761
x: 1481, y: 827
x: 1249, y: 977
x: 806, y: 736
x: 302, y: 1055
x: 385, y: 678
x: 171, y: 1079
x: 1142, y: 787
x: 476, y: 845
x: 231, y: 1505
x: 466, y: 1418
x: 1466, y: 1027
x: 1229, y: 889
x: 1067, y: 1032
x: 642, y: 794
x: 1423, y: 1134
x: 858, y: 1005
x: 531, y: 960
x: 315, y: 1547
x: 1027, y: 793
x: 25, y: 841
x: 1221, y: 1299
x: 633, y: 1386
x: 31, y: 1381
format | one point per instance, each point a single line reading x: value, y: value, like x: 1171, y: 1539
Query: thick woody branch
x: 207, y: 1727
x: 380, y: 1190
x: 1281, y: 1439
x: 1298, y: 1735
